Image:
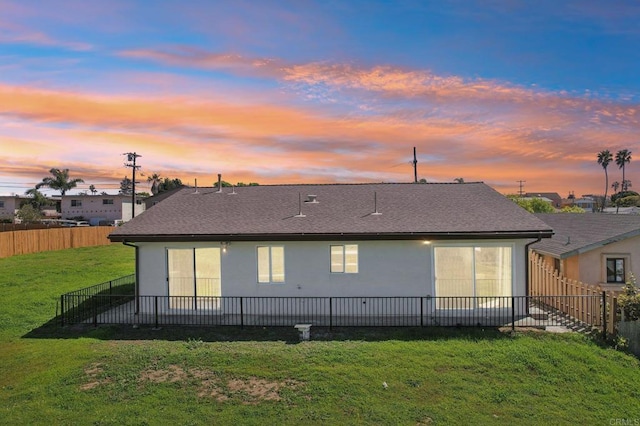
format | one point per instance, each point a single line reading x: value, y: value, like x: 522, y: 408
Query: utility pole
x: 131, y: 162
x: 415, y: 166
x: 521, y: 191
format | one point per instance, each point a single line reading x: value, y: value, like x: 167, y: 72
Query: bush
x: 629, y: 300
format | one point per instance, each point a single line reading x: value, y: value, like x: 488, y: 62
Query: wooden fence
x: 545, y: 280
x: 38, y: 240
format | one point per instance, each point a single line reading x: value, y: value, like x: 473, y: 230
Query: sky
x: 280, y: 92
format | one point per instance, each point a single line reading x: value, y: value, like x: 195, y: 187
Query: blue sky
x: 287, y: 92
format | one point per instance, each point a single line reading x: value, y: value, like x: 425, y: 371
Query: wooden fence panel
x: 39, y: 240
x: 546, y: 281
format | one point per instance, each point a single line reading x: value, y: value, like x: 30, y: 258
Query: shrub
x: 629, y: 300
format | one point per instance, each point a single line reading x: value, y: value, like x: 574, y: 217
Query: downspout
x: 137, y: 277
x: 526, y: 265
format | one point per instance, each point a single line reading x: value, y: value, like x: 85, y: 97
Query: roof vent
x: 312, y: 199
x: 300, y: 214
x: 375, y: 205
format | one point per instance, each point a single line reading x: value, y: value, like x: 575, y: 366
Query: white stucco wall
x: 386, y: 268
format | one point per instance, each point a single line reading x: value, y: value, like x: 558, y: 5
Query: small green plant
x: 629, y: 300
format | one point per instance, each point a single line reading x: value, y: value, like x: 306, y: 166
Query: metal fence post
x: 241, y: 313
x: 330, y: 313
x: 421, y: 311
x: 62, y: 310
x: 155, y: 312
x: 604, y: 314
x: 513, y: 313
x: 95, y: 310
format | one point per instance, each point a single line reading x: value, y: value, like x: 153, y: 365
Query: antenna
x: 300, y: 206
x: 415, y: 166
x: 375, y: 205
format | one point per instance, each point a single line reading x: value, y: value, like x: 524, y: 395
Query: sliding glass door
x: 193, y: 275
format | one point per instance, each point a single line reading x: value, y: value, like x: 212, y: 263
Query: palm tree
x: 604, y: 158
x: 93, y: 190
x: 60, y: 181
x: 459, y: 180
x: 623, y: 157
x: 156, y: 179
x: 38, y: 200
x: 615, y: 185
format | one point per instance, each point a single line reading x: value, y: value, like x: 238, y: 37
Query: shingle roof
x: 577, y: 233
x: 269, y: 212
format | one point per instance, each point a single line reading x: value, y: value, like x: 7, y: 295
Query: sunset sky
x: 320, y: 92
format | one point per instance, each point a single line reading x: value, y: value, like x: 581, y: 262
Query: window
x: 1, y: 204
x: 76, y: 203
x: 106, y: 201
x: 472, y: 271
x: 615, y: 270
x: 270, y: 264
x: 344, y: 259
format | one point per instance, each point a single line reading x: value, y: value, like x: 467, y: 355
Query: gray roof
x: 472, y: 210
x: 577, y: 233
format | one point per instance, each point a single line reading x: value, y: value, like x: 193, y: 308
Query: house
x: 553, y: 197
x: 593, y: 248
x: 338, y: 240
x: 9, y: 205
x: 99, y: 208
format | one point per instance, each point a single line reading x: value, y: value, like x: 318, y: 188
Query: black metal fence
x: 106, y: 304
x: 77, y: 306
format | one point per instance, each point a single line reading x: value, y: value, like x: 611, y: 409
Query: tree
x: 604, y: 158
x: 572, y: 209
x: 28, y: 214
x: 60, y: 181
x: 615, y: 185
x: 155, y: 180
x: 532, y: 205
x: 623, y: 157
x: 168, y: 184
x: 37, y: 200
x: 459, y: 180
x: 126, y: 186
x: 93, y: 190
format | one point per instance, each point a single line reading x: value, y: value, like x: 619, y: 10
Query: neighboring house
x: 553, y: 197
x: 99, y: 208
x: 593, y: 248
x: 9, y: 205
x: 585, y: 203
x: 377, y: 240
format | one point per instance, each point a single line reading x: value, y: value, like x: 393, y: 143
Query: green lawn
x: 121, y: 375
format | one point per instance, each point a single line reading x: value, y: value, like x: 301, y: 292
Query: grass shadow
x: 53, y: 330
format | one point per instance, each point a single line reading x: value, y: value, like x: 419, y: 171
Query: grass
x: 120, y: 375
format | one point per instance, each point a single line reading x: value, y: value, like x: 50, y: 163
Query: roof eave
x: 333, y: 236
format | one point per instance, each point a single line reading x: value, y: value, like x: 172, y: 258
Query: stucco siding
x: 592, y: 267
x: 386, y: 268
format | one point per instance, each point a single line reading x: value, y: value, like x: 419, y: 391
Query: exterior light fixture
x: 224, y: 246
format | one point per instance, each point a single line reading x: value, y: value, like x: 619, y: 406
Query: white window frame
x: 270, y: 265
x: 343, y: 266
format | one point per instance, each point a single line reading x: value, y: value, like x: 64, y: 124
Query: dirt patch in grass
x: 93, y: 373
x: 210, y: 384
